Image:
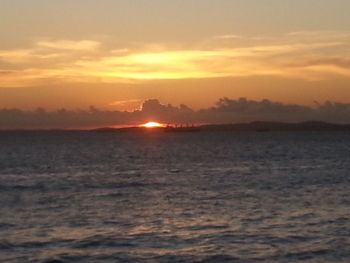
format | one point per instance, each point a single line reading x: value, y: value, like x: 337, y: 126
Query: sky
x: 116, y: 54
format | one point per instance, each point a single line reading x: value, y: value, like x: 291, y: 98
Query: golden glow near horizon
x: 83, y: 61
x: 152, y: 125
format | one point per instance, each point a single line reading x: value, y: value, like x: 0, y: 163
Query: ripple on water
x: 271, y: 197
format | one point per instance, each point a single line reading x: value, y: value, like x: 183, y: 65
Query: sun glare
x: 152, y: 124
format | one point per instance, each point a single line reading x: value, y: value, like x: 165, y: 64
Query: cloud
x: 44, y: 63
x: 320, y: 34
x: 194, y: 64
x: 47, y: 50
x: 6, y: 72
x: 82, y: 45
x: 16, y: 56
x: 228, y: 37
x: 124, y: 102
x: 224, y: 111
x: 126, y: 105
x: 331, y: 61
x: 89, y: 61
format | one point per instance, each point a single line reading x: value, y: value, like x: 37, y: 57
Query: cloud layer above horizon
x: 225, y: 111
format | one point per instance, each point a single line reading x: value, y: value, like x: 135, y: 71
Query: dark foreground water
x: 206, y: 197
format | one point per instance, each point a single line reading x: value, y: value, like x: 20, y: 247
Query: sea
x: 174, y: 197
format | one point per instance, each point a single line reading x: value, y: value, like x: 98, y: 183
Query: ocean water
x: 162, y: 197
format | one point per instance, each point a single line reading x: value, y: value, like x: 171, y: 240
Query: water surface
x: 204, y: 197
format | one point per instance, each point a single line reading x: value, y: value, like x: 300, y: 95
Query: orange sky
x: 116, y: 54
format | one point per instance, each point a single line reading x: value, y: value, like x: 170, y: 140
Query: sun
x: 152, y: 124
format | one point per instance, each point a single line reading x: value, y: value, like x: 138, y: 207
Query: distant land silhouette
x: 272, y: 116
x: 258, y: 126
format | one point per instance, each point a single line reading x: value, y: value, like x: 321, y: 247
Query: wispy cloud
x: 16, y: 56
x: 82, y: 45
x: 127, y: 105
x: 228, y: 36
x: 187, y: 64
x: 306, y: 55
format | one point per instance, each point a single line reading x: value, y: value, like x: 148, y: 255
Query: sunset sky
x: 114, y: 54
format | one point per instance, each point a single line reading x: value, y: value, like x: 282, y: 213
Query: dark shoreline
x: 258, y: 126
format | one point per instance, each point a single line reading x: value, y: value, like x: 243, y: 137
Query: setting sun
x: 152, y: 124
